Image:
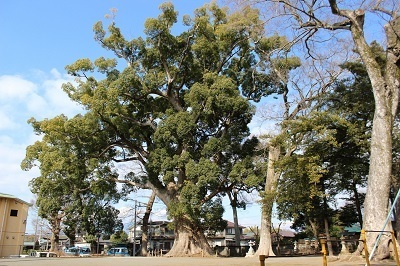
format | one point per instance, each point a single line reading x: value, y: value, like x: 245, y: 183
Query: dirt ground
x: 165, y: 261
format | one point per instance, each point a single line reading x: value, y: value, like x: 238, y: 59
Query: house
x: 14, y: 213
x: 160, y: 237
x: 227, y: 237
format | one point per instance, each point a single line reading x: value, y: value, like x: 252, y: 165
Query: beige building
x: 13, y: 216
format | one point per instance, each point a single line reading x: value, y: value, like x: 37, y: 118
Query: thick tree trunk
x: 55, y: 234
x: 386, y: 95
x: 145, y: 226
x: 189, y: 241
x: 377, y: 197
x: 265, y: 247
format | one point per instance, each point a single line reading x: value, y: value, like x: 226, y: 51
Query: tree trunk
x: 328, y: 237
x: 377, y: 197
x: 55, y: 234
x: 386, y: 95
x: 358, y: 204
x: 145, y: 226
x: 265, y: 247
x: 233, y: 200
x: 189, y: 241
x: 314, y: 227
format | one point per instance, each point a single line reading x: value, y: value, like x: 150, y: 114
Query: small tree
x: 71, y: 186
x: 119, y: 237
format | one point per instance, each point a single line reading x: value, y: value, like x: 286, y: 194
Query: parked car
x: 78, y: 251
x: 118, y: 251
x: 35, y: 253
x: 71, y: 251
x: 84, y: 252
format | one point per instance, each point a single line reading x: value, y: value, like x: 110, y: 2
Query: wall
x: 13, y: 215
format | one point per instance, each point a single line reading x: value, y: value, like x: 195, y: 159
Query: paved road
x: 165, y: 261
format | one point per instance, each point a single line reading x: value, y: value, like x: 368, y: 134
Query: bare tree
x: 313, y: 21
x: 301, y: 93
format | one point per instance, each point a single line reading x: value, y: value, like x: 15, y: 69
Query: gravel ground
x: 165, y: 261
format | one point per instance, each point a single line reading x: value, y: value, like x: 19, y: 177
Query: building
x: 227, y: 237
x: 160, y: 237
x: 13, y: 213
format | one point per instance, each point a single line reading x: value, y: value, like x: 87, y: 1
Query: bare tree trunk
x: 145, y: 226
x: 386, y: 95
x: 265, y: 247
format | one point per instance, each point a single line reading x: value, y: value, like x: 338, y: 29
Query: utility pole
x: 134, y: 231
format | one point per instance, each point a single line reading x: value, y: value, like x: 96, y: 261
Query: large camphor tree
x: 179, y: 108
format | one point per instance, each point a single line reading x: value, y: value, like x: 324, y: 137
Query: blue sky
x: 39, y: 38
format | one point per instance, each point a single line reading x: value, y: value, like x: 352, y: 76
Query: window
x: 230, y: 231
x: 14, y: 213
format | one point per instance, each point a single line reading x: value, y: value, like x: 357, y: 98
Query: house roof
x: 285, y: 233
x: 232, y: 225
x: 8, y: 196
x: 353, y: 229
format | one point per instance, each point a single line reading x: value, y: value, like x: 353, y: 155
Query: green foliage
x: 120, y: 237
x: 90, y: 239
x: 332, y: 156
x: 180, y: 108
x: 74, y: 183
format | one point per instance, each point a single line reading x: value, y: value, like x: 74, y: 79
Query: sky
x: 38, y: 39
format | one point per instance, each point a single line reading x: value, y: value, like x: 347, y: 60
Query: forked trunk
x: 189, y: 242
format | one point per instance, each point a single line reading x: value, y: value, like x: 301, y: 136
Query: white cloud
x: 13, y: 179
x: 40, y: 96
x: 35, y: 105
x: 15, y: 88
x: 58, y: 100
x: 6, y: 122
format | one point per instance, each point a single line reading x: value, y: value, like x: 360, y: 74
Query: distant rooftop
x: 4, y: 195
x: 232, y: 225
